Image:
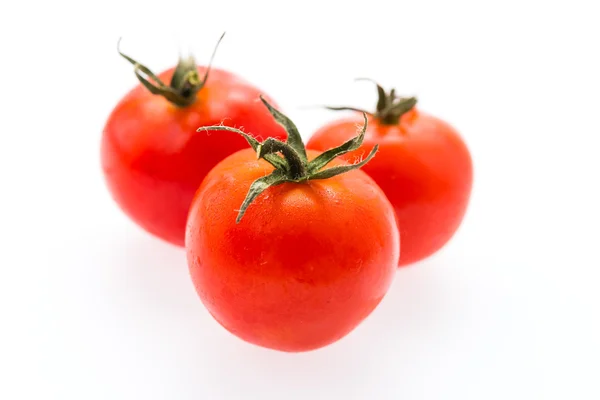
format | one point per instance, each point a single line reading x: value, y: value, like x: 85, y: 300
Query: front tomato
x: 152, y: 157
x: 314, y: 252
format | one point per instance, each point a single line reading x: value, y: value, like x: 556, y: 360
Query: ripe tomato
x: 153, y: 158
x: 313, y: 253
x: 423, y: 166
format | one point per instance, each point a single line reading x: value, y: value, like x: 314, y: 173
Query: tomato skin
x: 154, y: 160
x: 424, y: 168
x: 304, y: 266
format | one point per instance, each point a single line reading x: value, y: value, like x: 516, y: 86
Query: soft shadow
x: 154, y: 274
x: 417, y: 311
x: 419, y: 299
x: 152, y: 278
x: 170, y: 326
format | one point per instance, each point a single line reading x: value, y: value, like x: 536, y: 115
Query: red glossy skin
x: 153, y: 158
x: 424, y: 168
x: 305, y: 265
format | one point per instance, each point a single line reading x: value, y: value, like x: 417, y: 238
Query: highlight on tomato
x: 423, y: 166
x: 291, y: 249
x: 152, y: 157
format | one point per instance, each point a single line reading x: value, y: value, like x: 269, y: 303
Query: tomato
x: 423, y: 166
x: 312, y: 254
x: 152, y: 157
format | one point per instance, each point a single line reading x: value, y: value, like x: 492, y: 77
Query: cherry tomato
x: 153, y: 158
x: 423, y: 166
x: 312, y: 254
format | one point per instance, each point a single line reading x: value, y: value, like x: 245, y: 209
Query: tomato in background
x: 423, y: 166
x: 152, y: 157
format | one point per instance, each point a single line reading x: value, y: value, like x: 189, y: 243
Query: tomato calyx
x: 289, y: 157
x: 185, y: 83
x: 390, y: 107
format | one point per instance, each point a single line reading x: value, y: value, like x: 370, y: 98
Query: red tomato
x: 153, y: 158
x: 423, y: 166
x: 309, y: 260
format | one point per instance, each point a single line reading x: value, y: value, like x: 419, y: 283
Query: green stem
x: 185, y: 83
x: 294, y: 166
x: 297, y: 167
x: 395, y: 110
x: 390, y: 107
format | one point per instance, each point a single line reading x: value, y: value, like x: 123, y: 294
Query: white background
x: 91, y: 307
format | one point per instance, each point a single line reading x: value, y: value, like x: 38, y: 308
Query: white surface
x: 93, y: 308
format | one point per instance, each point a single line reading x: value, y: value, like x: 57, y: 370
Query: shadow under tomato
x: 417, y: 311
x: 201, y: 353
x: 419, y: 299
x: 205, y: 359
x: 154, y: 275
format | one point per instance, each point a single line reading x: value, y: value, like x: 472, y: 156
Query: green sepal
x: 382, y: 99
x: 390, y: 107
x: 185, y: 83
x: 293, y: 136
x: 185, y: 77
x: 394, y: 111
x: 293, y: 165
x: 141, y: 70
x: 272, y: 159
x: 341, y: 169
x: 360, y: 110
x: 258, y: 186
x: 325, y: 158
